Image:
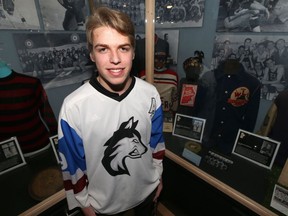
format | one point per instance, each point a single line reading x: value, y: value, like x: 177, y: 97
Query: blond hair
x: 106, y: 17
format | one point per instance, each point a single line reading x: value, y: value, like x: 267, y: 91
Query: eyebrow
x: 106, y: 45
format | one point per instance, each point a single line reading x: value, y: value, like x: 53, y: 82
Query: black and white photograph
x: 172, y: 38
x: 257, y: 149
x: 54, y: 144
x: 11, y: 156
x: 179, y: 14
x: 135, y: 9
x: 56, y: 59
x: 252, y: 16
x: 264, y: 57
x: 16, y: 15
x: 188, y: 127
x: 168, y: 14
x: 67, y: 15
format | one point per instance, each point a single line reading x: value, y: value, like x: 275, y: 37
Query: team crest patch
x: 239, y: 97
x: 123, y: 145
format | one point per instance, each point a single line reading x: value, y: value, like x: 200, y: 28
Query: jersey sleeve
x: 157, y: 143
x: 73, y: 165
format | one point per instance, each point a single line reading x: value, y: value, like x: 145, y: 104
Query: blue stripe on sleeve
x: 71, y: 146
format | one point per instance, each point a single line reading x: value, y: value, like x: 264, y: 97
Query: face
x: 247, y: 42
x: 280, y: 44
x: 257, y: 66
x: 270, y: 64
x: 113, y: 55
x: 159, y: 62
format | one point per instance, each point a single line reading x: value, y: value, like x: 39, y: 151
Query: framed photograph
x: 188, y: 127
x: 180, y: 14
x: 11, y: 156
x: 252, y: 16
x: 279, y: 199
x: 167, y: 14
x: 57, y: 59
x: 54, y: 144
x: 16, y: 15
x: 248, y: 50
x: 255, y: 148
x: 64, y: 15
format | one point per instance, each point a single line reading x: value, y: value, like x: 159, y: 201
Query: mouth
x: 116, y: 71
x: 134, y: 152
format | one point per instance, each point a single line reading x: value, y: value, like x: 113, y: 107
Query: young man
x: 110, y: 129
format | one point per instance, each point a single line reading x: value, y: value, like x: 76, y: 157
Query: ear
x: 92, y: 57
x: 133, y: 55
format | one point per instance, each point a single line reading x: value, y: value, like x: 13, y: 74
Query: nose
x: 115, y: 57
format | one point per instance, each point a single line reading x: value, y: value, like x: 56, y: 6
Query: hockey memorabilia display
x: 265, y: 57
x: 255, y: 148
x: 219, y: 161
x: 11, y: 156
x: 188, y: 127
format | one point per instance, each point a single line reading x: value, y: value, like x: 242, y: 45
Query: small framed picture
x: 11, y: 156
x: 255, y: 148
x: 54, y: 144
x: 188, y: 127
x: 279, y: 199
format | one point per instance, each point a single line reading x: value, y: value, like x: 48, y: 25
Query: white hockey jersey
x: 111, y: 146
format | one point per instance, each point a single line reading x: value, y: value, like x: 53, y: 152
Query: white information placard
x: 188, y: 127
x: 255, y: 148
x: 11, y: 156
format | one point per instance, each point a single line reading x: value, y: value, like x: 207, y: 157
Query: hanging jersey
x: 25, y: 112
x: 166, y: 83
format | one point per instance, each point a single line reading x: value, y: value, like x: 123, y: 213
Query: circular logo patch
x: 239, y: 97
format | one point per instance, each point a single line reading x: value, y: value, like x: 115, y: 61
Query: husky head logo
x: 125, y: 143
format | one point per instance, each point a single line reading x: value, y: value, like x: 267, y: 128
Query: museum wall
x: 190, y: 39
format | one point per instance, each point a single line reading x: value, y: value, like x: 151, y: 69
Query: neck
x: 119, y: 89
x: 5, y: 71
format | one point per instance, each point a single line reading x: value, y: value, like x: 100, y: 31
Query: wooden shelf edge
x: 163, y: 210
x: 45, y: 204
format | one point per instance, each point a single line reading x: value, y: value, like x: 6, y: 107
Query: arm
x: 73, y: 165
x: 259, y: 7
x: 88, y: 211
x: 157, y: 144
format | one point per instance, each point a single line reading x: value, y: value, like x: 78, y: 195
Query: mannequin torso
x: 4, y: 70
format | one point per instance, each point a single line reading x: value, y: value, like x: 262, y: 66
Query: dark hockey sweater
x: 25, y: 112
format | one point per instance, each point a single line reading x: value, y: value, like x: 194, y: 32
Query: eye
x: 102, y: 49
x: 125, y: 48
x: 135, y: 141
